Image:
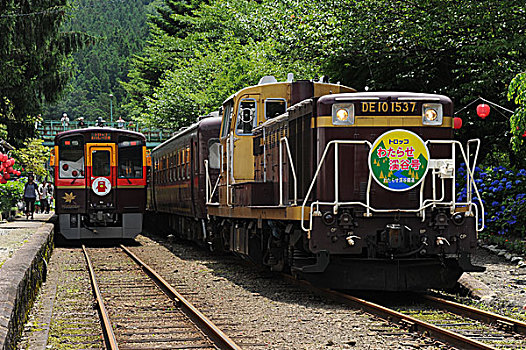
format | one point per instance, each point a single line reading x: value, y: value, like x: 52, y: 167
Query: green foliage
x: 120, y: 30
x: 33, y: 157
x: 199, y: 54
x: 33, y: 57
x: 201, y: 51
x: 517, y: 93
x: 10, y: 193
x: 463, y: 49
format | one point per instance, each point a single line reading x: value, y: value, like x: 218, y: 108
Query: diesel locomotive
x: 346, y: 189
x: 100, y: 181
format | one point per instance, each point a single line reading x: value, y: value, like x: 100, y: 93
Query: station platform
x: 25, y: 248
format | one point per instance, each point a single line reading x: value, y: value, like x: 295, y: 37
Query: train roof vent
x: 267, y: 79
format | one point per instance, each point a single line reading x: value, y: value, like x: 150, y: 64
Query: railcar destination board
x: 100, y: 136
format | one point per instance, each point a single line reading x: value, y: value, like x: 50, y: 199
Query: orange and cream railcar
x: 100, y: 179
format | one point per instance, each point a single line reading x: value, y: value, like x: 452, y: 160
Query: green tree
x: 463, y: 49
x: 33, y: 157
x: 198, y: 55
x: 517, y: 93
x: 33, y: 59
x: 120, y: 30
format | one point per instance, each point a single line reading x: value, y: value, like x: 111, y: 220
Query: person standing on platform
x: 65, y: 121
x: 120, y: 123
x: 30, y: 195
x: 46, y: 196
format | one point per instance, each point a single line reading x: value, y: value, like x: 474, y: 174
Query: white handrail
x: 423, y: 204
x: 349, y: 142
x: 292, y: 168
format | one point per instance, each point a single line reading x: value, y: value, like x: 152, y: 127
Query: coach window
x: 172, y: 166
x: 130, y: 158
x: 100, y: 163
x: 178, y: 164
x: 275, y: 107
x: 71, y: 158
x: 246, y: 116
x: 181, y: 165
x: 187, y: 162
x: 227, y: 117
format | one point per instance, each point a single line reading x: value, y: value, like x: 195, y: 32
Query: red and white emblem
x: 101, y: 186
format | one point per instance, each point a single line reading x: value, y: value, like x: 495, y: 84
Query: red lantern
x: 18, y: 173
x: 10, y: 170
x: 483, y: 110
x: 457, y: 123
x: 7, y: 176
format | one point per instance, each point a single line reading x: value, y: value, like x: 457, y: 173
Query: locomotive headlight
x: 343, y: 114
x: 432, y: 114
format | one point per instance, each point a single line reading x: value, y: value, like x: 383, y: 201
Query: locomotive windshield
x: 227, y: 117
x: 71, y: 157
x: 130, y: 158
x: 246, y: 116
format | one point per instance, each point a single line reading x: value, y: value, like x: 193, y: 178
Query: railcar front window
x: 130, y: 161
x: 71, y: 158
x: 100, y: 163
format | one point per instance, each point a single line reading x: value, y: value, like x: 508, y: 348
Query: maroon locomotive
x: 345, y: 189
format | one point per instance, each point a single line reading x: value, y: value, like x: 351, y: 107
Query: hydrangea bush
x: 503, y: 193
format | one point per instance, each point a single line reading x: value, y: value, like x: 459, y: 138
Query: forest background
x: 167, y: 61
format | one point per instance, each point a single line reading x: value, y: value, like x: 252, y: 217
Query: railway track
x: 140, y: 310
x: 455, y: 324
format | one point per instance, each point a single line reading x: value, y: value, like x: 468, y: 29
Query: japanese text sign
x: 398, y: 160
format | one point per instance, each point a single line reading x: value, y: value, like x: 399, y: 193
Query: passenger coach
x: 100, y: 177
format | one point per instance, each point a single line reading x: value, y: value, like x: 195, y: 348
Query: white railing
x: 209, y: 190
x: 281, y: 141
x: 441, y: 168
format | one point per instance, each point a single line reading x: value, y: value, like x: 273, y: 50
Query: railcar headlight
x: 432, y: 114
x: 343, y: 114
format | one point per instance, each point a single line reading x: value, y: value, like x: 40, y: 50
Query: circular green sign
x: 398, y: 160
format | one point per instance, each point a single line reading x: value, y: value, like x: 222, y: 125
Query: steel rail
x: 477, y: 314
x: 220, y: 339
x: 413, y: 324
x: 107, y: 329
